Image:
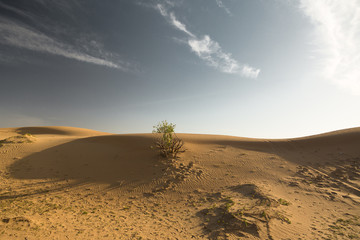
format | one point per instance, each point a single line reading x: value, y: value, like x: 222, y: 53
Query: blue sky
x: 252, y: 68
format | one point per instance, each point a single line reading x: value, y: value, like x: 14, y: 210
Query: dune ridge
x: 74, y: 183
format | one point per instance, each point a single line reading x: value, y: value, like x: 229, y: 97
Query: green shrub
x: 167, y: 141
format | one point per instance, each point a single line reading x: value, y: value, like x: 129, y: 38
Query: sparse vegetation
x: 283, y: 202
x: 167, y: 141
x: 26, y: 138
x: 242, y: 217
x: 348, y: 227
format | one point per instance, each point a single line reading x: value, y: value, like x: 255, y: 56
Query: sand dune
x: 73, y: 183
x: 68, y: 131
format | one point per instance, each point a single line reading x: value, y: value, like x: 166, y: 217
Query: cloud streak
x: 17, y: 34
x: 22, y: 37
x: 221, y: 5
x: 209, y: 50
x: 337, y: 25
x: 179, y: 25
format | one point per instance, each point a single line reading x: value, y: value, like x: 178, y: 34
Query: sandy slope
x: 71, y: 183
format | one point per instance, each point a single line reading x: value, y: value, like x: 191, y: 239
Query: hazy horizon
x: 252, y: 68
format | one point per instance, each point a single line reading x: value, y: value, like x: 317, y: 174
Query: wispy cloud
x: 18, y: 34
x: 162, y: 10
x: 209, y: 50
x: 172, y: 20
x: 337, y: 25
x: 179, y: 25
x: 221, y: 5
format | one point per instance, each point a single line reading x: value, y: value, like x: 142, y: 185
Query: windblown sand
x: 71, y: 183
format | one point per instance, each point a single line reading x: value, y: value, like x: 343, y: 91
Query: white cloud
x: 179, y: 25
x: 337, y: 25
x: 212, y: 54
x: 17, y: 35
x: 46, y: 35
x: 162, y: 10
x: 172, y: 19
x: 250, y: 71
x: 221, y: 5
x: 209, y: 50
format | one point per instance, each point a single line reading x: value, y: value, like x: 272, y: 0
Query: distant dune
x: 68, y: 131
x: 74, y: 183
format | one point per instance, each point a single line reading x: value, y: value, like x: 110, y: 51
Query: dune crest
x: 55, y: 130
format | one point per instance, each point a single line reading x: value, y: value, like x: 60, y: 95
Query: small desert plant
x: 167, y: 141
x: 283, y: 202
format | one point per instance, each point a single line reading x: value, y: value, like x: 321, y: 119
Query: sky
x: 250, y: 68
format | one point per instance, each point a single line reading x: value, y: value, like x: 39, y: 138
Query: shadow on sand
x: 128, y: 161
x: 116, y: 160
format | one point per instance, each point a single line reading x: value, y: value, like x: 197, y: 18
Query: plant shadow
x: 113, y: 160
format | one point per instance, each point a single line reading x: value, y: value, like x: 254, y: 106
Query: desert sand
x: 72, y: 183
